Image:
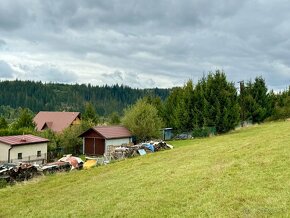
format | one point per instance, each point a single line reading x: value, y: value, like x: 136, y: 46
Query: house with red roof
x: 56, y: 121
x: 97, y: 140
x: 23, y: 148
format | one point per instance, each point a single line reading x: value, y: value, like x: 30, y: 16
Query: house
x: 23, y: 148
x: 56, y: 121
x: 96, y: 140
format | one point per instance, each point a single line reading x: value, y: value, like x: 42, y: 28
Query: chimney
x: 23, y: 139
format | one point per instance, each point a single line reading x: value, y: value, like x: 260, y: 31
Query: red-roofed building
x: 56, y: 121
x: 23, y: 148
x: 97, y: 139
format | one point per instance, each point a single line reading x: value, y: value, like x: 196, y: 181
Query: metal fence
x: 31, y: 159
x: 194, y: 133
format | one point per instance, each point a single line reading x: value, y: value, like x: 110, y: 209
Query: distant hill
x: 39, y: 96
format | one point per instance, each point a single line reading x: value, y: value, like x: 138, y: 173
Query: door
x: 94, y: 146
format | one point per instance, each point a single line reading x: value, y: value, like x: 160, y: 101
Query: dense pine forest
x: 38, y: 96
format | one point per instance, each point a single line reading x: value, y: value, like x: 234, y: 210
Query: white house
x: 23, y: 148
x: 97, y: 139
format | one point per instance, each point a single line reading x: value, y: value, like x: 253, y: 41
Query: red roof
x: 56, y: 121
x: 111, y: 132
x: 22, y: 139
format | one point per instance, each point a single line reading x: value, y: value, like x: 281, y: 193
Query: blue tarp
x: 150, y: 147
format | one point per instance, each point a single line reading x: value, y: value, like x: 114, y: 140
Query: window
x: 19, y: 156
x: 38, y: 153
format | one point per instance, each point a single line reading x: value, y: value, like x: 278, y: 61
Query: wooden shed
x: 97, y: 139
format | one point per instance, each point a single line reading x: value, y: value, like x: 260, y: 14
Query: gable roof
x: 22, y: 139
x: 56, y: 121
x: 110, y: 132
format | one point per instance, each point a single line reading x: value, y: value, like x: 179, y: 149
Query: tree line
x: 38, y: 96
x: 213, y: 102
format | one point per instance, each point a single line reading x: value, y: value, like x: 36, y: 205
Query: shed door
x: 94, y: 146
x: 89, y: 146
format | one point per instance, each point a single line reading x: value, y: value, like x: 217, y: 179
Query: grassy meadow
x: 245, y: 173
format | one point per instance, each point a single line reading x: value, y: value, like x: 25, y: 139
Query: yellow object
x: 89, y: 164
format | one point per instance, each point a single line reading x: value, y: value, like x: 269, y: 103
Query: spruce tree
x: 3, y: 123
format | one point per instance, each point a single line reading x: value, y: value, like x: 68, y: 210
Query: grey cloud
x: 14, y: 14
x: 2, y: 43
x: 6, y: 72
x: 156, y: 15
x: 174, y: 39
x: 173, y: 13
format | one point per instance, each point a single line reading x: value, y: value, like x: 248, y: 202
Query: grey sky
x: 144, y: 43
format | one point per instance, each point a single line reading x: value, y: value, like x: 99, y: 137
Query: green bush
x: 8, y: 132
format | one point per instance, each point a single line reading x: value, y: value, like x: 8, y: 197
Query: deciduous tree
x: 142, y: 120
x: 114, y: 118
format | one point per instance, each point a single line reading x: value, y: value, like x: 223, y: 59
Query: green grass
x: 245, y: 173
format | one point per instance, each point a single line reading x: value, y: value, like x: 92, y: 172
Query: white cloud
x: 47, y: 73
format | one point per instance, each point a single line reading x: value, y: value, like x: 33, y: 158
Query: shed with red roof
x: 97, y: 139
x: 23, y: 148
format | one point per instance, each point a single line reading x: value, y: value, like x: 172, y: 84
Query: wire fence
x: 31, y: 159
x: 193, y: 133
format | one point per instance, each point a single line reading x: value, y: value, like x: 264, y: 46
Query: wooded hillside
x: 39, y: 96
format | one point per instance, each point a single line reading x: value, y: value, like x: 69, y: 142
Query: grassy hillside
x: 242, y: 174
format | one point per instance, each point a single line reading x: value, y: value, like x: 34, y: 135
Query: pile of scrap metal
x: 17, y: 172
x: 139, y: 149
x: 65, y: 163
x: 12, y: 172
x: 125, y: 151
x: 155, y: 146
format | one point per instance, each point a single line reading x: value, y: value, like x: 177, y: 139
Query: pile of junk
x: 126, y: 151
x: 17, y: 172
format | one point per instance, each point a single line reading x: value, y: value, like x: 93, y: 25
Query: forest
x: 38, y: 96
x: 213, y: 105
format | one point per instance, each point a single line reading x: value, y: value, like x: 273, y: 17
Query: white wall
x: 116, y: 142
x: 28, y: 150
x: 4, y: 152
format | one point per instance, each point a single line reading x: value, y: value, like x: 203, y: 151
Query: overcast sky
x: 145, y: 43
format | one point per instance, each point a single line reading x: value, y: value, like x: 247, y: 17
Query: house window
x: 38, y: 153
x: 19, y: 156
